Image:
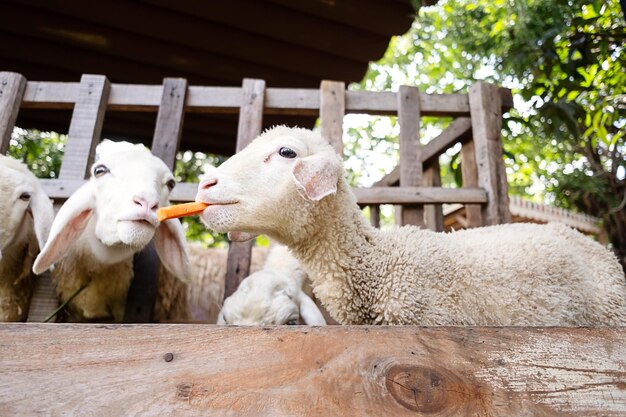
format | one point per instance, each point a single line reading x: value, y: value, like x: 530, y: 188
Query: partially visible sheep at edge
x: 102, y: 225
x: 273, y: 295
x: 289, y: 184
x: 26, y: 213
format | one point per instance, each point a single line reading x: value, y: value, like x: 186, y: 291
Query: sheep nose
x: 145, y: 204
x: 206, y: 184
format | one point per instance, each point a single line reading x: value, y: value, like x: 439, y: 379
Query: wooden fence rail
x: 151, y: 370
x: 419, y: 195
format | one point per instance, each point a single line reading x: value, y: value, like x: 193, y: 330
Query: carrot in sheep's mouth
x: 180, y: 210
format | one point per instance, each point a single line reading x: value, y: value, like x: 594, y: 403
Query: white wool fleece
x: 289, y: 184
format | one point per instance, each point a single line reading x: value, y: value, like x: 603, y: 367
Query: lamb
x: 273, y: 295
x: 289, y: 184
x: 27, y: 215
x: 102, y: 225
x: 205, y: 292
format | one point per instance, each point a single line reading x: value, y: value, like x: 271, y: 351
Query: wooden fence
x: 355, y: 370
x: 477, y: 126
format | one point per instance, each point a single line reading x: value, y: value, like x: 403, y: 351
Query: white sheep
x: 102, y: 225
x: 26, y: 213
x: 289, y: 184
x: 205, y: 291
x: 273, y: 295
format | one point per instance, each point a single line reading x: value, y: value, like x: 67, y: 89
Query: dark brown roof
x: 288, y: 43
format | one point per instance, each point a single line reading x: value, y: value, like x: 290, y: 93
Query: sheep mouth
x: 141, y: 222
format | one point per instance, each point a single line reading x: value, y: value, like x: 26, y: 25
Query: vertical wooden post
x: 85, y: 127
x: 12, y: 86
x: 410, y: 151
x: 469, y: 170
x: 486, y: 114
x: 83, y: 136
x: 142, y: 293
x: 433, y: 212
x: 332, y: 110
x: 375, y: 215
x: 250, y: 126
x: 169, y: 124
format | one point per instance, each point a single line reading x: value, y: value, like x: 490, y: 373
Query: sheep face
x: 24, y: 204
x: 261, y: 299
x: 128, y: 187
x: 267, y: 187
x: 114, y: 213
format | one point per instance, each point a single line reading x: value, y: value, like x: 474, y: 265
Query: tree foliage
x: 564, y: 60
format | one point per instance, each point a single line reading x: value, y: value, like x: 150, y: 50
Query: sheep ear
x: 309, y: 311
x: 169, y: 241
x: 240, y: 236
x: 43, y: 214
x: 67, y: 227
x: 315, y: 177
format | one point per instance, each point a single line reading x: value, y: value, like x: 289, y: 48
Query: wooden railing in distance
x: 317, y: 371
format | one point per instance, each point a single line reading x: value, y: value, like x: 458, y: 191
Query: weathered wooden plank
x: 318, y: 371
x: 169, y: 124
x: 433, y: 213
x: 460, y: 130
x: 375, y: 215
x: 202, y: 99
x: 60, y: 189
x: 12, y: 86
x: 332, y: 110
x: 44, y: 299
x: 486, y: 114
x: 85, y: 127
x: 250, y: 126
x: 469, y: 171
x: 50, y: 95
x: 410, y: 150
x: 418, y: 195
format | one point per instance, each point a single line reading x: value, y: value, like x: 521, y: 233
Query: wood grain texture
x: 332, y: 110
x: 410, y: 150
x: 85, y: 127
x: 433, y: 213
x: 486, y: 114
x: 12, y: 86
x: 186, y: 191
x: 44, y: 300
x: 250, y: 126
x: 205, y: 370
x: 469, y: 171
x: 419, y: 195
x: 205, y: 99
x: 169, y: 124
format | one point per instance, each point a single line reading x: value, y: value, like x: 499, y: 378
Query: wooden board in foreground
x: 205, y: 370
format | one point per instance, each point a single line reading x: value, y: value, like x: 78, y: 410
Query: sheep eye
x: 100, y: 170
x: 292, y: 322
x: 171, y: 184
x: 287, y: 153
x: 25, y: 196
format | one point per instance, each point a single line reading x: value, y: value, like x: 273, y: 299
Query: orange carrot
x: 180, y: 210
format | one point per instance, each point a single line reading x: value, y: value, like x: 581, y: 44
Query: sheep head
x: 114, y: 214
x: 269, y: 298
x: 24, y: 205
x: 267, y: 187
